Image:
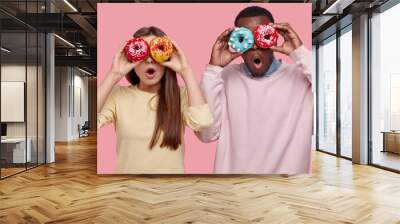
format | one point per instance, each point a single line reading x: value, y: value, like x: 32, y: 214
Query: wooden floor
x: 5, y: 172
x: 387, y: 159
x: 8, y: 171
x: 70, y: 191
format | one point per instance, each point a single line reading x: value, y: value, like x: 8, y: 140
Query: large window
x: 335, y: 61
x: 346, y: 92
x: 327, y: 95
x: 385, y: 89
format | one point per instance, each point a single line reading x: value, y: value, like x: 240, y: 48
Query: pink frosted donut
x: 136, y: 49
x: 265, y: 36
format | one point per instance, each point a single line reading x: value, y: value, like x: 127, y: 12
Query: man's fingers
x: 235, y: 55
x: 277, y: 49
x: 222, y: 39
x: 223, y: 35
x: 284, y: 27
x: 287, y: 32
x: 281, y: 25
x: 225, y: 45
x: 283, y: 35
x: 282, y: 30
x: 220, y: 46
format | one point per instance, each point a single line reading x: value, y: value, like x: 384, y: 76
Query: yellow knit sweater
x: 133, y: 113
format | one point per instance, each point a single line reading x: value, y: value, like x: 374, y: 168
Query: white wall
x: 12, y: 101
x: 61, y: 103
x: 12, y: 73
x: 80, y: 84
x: 70, y: 83
x: 33, y: 127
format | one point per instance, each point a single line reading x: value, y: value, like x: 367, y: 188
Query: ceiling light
x: 5, y: 50
x: 338, y: 6
x: 84, y: 71
x: 64, y: 40
x: 70, y: 5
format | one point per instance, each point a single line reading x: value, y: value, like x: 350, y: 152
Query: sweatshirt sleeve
x: 212, y: 86
x: 108, y: 112
x: 195, y: 117
x: 302, y: 56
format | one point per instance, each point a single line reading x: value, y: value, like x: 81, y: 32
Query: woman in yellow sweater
x: 150, y: 114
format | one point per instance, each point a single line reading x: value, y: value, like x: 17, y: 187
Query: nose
x: 150, y: 60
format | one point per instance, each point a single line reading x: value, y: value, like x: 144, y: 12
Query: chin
x: 152, y: 78
x: 257, y: 73
x: 151, y: 82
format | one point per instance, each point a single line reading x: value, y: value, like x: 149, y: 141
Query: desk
x: 391, y: 141
x: 15, y: 148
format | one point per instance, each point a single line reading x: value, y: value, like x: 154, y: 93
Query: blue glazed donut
x: 240, y: 40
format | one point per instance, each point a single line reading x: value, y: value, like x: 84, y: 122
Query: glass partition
x: 22, y: 88
x: 14, y: 153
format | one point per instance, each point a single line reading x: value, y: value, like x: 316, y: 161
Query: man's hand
x: 221, y: 56
x: 291, y: 39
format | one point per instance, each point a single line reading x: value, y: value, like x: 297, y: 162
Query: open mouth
x: 257, y: 61
x: 150, y: 73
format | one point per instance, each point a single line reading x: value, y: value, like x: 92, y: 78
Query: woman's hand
x: 121, y: 65
x: 291, y: 39
x: 179, y: 64
x: 178, y: 61
x: 221, y: 55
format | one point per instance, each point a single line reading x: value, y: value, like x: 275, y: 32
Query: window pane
x: 385, y: 89
x: 327, y: 96
x: 346, y: 93
x: 314, y: 90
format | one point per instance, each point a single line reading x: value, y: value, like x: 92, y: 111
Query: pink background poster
x: 194, y: 27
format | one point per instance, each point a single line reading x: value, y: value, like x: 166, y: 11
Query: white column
x: 360, y: 90
x: 50, y: 93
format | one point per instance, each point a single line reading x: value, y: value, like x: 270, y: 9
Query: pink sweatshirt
x: 263, y: 125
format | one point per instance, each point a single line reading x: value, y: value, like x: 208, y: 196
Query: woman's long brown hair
x: 168, y: 118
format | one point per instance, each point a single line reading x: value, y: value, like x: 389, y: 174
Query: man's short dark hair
x: 254, y: 11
